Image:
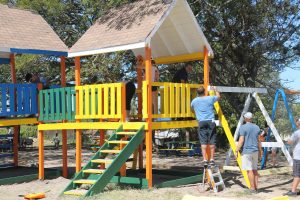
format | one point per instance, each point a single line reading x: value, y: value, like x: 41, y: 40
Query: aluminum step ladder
x: 210, y: 174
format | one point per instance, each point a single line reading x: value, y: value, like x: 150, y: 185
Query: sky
x: 293, y: 77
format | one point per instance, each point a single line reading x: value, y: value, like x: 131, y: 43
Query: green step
x: 85, y: 181
x: 125, y: 133
x: 93, y: 171
x: 118, y: 142
x: 76, y: 192
x: 102, y: 161
x: 110, y: 151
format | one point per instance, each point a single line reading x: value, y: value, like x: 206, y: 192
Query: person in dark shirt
x: 181, y: 76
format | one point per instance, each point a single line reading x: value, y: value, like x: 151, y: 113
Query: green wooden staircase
x: 91, y: 179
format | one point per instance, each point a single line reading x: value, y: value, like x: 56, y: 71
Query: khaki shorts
x: 250, y: 161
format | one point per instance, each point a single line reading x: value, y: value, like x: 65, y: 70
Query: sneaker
x: 291, y: 194
x: 205, y: 163
x: 212, y: 163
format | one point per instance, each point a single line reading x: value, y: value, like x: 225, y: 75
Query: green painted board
x: 181, y: 181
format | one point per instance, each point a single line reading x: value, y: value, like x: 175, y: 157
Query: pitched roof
x: 26, y: 32
x: 168, y: 26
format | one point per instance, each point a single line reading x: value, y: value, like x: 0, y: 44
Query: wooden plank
x: 181, y: 181
x: 112, y: 102
x: 240, y: 89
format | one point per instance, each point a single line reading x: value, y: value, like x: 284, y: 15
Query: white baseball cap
x: 248, y: 115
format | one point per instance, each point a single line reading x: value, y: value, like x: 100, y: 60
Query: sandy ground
x: 270, y: 186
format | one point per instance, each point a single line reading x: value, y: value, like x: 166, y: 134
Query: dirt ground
x: 270, y: 186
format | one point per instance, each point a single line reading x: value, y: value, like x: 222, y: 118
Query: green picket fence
x: 57, y: 104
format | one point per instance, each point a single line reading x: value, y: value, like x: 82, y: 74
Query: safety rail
x: 175, y: 99
x: 18, y: 99
x: 57, y: 104
x: 102, y: 101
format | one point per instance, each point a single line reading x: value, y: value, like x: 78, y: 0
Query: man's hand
x: 236, y: 154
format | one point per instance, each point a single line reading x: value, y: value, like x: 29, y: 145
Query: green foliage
x: 28, y: 131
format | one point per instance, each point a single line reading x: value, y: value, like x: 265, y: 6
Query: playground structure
x: 25, y: 33
x: 168, y: 33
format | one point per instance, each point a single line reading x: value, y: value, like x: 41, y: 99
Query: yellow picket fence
x: 175, y: 99
x: 102, y: 101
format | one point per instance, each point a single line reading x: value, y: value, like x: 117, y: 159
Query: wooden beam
x: 180, y: 58
x: 149, y: 119
x: 78, y: 131
x: 41, y: 155
x: 206, y: 70
x: 240, y: 89
x: 292, y: 91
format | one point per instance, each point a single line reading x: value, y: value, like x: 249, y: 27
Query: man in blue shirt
x: 203, y: 106
x: 249, y: 142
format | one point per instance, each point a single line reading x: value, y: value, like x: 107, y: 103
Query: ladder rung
x: 125, y: 133
x: 118, y: 142
x: 219, y: 183
x: 93, y: 171
x: 102, y: 161
x: 110, y: 151
x: 216, y: 174
x: 85, y: 181
x: 76, y: 192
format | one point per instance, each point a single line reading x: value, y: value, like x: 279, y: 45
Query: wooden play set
x: 166, y: 31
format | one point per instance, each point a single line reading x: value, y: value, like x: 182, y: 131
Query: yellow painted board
x: 81, y: 106
x: 100, y: 161
x: 105, y: 100
x: 119, y: 101
x: 112, y: 101
x: 86, y: 102
x: 177, y: 104
x: 126, y: 133
x: 174, y: 124
x: 230, y: 138
x: 172, y: 103
x: 145, y: 100
x: 100, y: 111
x: 85, y: 181
x: 91, y: 126
x: 93, y: 102
x: 110, y: 151
x: 280, y: 198
x: 93, y: 171
x: 188, y: 100
x: 161, y: 101
x: 166, y: 98
x: 18, y: 121
x: 180, y: 58
x: 118, y: 142
x: 183, y: 100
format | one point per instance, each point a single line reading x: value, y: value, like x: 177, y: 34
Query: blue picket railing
x: 18, y: 99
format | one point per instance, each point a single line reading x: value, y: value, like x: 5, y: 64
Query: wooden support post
x: 206, y: 71
x: 149, y: 119
x: 123, y: 119
x: 41, y: 154
x: 140, y: 102
x: 16, y: 130
x: 78, y: 132
x: 64, y: 132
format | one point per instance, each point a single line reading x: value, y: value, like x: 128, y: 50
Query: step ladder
x: 210, y: 174
x: 107, y: 161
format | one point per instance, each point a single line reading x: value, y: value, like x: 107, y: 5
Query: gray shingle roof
x: 23, y: 29
x: 127, y: 24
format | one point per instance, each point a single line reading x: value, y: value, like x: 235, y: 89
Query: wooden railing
x: 174, y: 99
x: 18, y: 99
x: 101, y: 101
x: 57, y: 104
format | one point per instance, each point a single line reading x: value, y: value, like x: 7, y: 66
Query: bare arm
x: 240, y: 144
x: 259, y: 147
x: 217, y: 93
x: 289, y: 141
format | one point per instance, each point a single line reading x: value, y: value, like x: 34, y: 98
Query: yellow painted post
x: 230, y: 138
x: 172, y: 103
x: 177, y: 100
x: 78, y: 132
x: 166, y: 100
x: 206, y: 70
x: 149, y: 119
x: 113, y: 101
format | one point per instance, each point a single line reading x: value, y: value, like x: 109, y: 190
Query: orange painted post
x: 123, y: 119
x: 16, y: 128
x: 206, y: 70
x: 64, y: 132
x: 140, y: 103
x: 41, y: 155
x: 78, y: 132
x: 149, y: 119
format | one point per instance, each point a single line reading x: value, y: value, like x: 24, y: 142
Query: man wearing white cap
x: 295, y: 141
x: 250, y: 145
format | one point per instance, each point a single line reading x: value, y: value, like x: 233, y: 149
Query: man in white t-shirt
x: 295, y: 141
